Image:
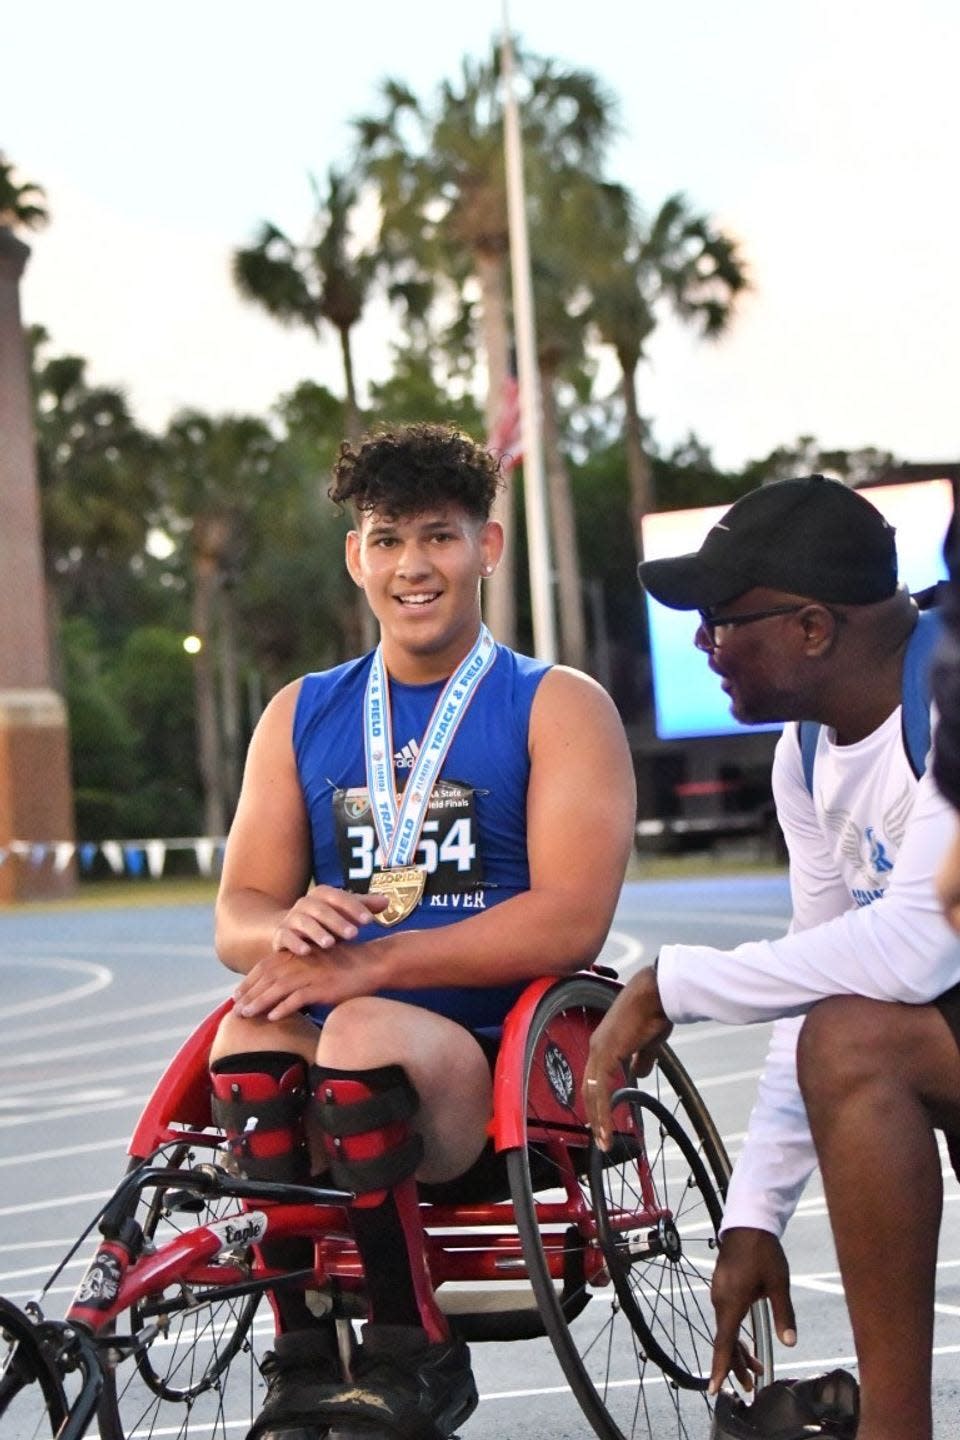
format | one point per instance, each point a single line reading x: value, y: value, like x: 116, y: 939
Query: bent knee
x: 240, y: 1035
x: 845, y: 1041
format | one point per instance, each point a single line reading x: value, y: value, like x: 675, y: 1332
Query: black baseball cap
x: 810, y: 536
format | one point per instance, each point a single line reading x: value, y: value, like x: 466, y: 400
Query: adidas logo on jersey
x: 405, y: 758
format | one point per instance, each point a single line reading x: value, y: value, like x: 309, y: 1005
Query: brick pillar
x: 36, y: 804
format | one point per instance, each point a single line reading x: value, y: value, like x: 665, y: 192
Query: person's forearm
x: 777, y: 1156
x: 246, y: 921
x: 884, y: 951
x: 535, y: 933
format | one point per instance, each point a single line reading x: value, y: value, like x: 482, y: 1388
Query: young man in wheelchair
x: 803, y: 620
x: 420, y: 832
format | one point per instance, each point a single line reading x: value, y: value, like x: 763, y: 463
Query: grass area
x: 111, y: 894
x: 721, y: 860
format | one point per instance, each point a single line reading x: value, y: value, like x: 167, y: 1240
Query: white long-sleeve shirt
x: 863, y: 850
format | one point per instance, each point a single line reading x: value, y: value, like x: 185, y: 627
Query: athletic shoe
x: 791, y: 1410
x: 404, y: 1387
x: 301, y: 1372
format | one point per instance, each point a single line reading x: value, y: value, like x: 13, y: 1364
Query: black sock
x: 383, y: 1250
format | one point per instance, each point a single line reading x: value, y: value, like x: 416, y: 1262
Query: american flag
x: 506, y: 437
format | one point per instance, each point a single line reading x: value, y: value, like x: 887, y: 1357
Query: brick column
x: 36, y: 803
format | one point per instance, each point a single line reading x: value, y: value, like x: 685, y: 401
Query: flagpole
x: 535, y: 510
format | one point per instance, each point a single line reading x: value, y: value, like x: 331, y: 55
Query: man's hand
x: 324, y: 916
x: 282, y: 984
x: 633, y: 1027
x: 751, y: 1266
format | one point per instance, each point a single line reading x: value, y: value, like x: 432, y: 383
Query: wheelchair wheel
x: 199, y: 1374
x: 32, y: 1400
x: 626, y: 1304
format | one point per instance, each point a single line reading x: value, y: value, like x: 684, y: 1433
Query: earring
x: 487, y: 570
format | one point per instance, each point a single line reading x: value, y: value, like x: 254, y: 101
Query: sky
x: 823, y: 135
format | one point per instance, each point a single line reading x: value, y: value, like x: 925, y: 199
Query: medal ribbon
x: 398, y: 826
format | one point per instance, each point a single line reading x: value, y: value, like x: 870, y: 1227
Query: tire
x: 32, y: 1400
x: 199, y: 1374
x: 635, y: 1371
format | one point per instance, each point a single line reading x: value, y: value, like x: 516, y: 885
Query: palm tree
x: 22, y: 207
x: 93, y: 473
x: 319, y: 281
x: 682, y: 262
x: 215, y: 474
x: 439, y: 176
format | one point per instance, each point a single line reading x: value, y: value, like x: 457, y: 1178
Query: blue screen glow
x: 687, y: 695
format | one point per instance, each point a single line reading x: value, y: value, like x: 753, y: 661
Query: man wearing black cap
x: 803, y: 619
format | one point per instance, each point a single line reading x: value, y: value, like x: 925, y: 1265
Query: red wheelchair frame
x: 614, y: 1251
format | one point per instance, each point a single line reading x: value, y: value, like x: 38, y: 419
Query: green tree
x: 438, y: 171
x: 96, y: 496
x: 413, y: 392
x: 807, y: 457
x: 217, y: 476
x: 680, y: 261
x: 23, y: 206
x: 321, y: 281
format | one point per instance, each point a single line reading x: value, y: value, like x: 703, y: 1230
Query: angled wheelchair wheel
x: 620, y: 1247
x: 32, y: 1399
x: 197, y: 1371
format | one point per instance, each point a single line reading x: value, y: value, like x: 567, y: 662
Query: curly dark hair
x: 408, y: 469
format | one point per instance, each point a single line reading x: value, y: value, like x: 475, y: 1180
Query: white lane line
x: 79, y: 1264
x: 60, y: 1203
x: 105, y: 1017
x: 17, y: 1058
x: 17, y: 1245
x: 834, y: 1287
x: 70, y: 1112
x: 97, y: 1076
x: 684, y: 1035
x: 633, y: 951
x: 91, y: 1148
x: 732, y: 1079
x: 98, y: 978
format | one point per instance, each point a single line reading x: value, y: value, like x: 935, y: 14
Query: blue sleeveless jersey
x: 473, y: 845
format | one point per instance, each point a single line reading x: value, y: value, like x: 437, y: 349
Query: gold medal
x: 403, y: 885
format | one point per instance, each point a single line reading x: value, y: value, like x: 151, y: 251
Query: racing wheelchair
x: 609, y: 1254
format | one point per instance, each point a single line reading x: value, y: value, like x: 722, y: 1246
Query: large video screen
x: 687, y: 695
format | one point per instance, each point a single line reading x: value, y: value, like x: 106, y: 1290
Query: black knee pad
x: 363, y: 1117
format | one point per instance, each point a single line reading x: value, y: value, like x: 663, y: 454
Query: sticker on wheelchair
x: 240, y: 1231
x: 101, y: 1284
x: 560, y: 1074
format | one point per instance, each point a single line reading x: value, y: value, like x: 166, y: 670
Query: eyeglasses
x: 706, y: 636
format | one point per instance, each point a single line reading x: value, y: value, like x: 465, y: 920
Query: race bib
x: 448, y: 851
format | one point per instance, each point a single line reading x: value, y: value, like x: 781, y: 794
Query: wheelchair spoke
x: 624, y: 1293
x: 198, y: 1377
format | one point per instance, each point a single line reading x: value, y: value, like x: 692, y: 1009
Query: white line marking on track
x: 91, y: 1148
x: 633, y: 951
x: 173, y: 1036
x: 98, y: 978
x: 71, y: 1112
x: 88, y: 1077
x: 60, y: 1203
x: 117, y: 1017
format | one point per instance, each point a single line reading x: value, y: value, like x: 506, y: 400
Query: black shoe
x: 302, y: 1370
x: 405, y: 1388
x: 791, y: 1410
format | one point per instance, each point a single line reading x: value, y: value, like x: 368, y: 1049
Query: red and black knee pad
x: 259, y: 1101
x: 363, y: 1116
